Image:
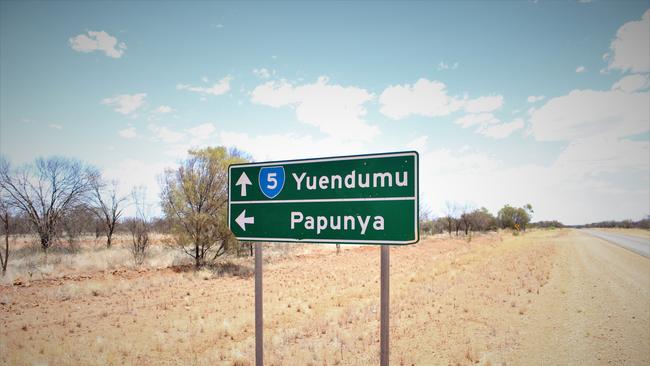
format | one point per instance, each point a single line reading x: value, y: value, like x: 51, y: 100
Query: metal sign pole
x: 385, y: 300
x: 259, y: 322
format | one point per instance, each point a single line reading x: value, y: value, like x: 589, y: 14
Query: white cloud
x: 165, y: 134
x: 600, y: 174
x: 453, y: 175
x: 600, y: 154
x: 262, y: 73
x: 430, y: 99
x: 446, y: 161
x: 98, y: 41
x: 219, y: 88
x: 419, y: 144
x: 158, y: 113
x: 632, y: 83
x: 580, y: 69
x: 445, y: 66
x: 178, y: 142
x: 488, y: 125
x: 125, y: 103
x: 163, y: 109
x: 131, y: 173
x: 202, y: 131
x: 630, y: 50
x: 584, y: 113
x: 274, y: 94
x: 336, y: 110
x: 56, y: 126
x: 425, y: 98
x: 501, y: 130
x: 535, y: 99
x: 484, y: 104
x: 128, y: 133
x: 482, y: 119
x: 289, y: 145
x: 602, y: 177
x: 579, y: 181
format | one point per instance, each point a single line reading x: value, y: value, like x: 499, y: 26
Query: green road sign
x: 364, y: 199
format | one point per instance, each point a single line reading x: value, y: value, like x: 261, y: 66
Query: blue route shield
x: 271, y: 181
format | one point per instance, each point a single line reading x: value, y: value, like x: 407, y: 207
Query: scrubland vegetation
x: 84, y: 283
x: 497, y: 299
x: 60, y: 217
x: 57, y: 201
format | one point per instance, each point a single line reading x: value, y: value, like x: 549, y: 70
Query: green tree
x: 482, y: 219
x: 515, y: 218
x: 194, y: 199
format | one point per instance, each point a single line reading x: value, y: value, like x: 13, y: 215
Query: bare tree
x: 425, y: 221
x: 45, y: 191
x: 466, y: 218
x: 107, y: 205
x: 139, y: 226
x: 425, y: 212
x: 4, y: 217
x: 451, y: 211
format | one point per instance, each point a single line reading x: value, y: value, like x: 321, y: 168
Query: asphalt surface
x: 633, y: 243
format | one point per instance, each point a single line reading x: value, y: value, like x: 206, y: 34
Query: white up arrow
x: 243, y: 181
x: 242, y: 220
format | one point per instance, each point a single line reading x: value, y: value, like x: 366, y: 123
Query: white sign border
x: 334, y: 158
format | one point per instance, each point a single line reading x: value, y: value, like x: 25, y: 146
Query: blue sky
x: 507, y: 102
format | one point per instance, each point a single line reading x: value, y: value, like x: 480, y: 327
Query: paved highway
x: 636, y: 244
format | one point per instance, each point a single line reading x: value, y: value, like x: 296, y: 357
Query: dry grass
x: 28, y: 263
x: 320, y: 308
x: 452, y: 302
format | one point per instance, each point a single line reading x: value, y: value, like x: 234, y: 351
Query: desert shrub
x: 139, y: 239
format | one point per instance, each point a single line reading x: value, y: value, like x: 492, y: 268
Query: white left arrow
x: 243, y: 181
x: 242, y: 220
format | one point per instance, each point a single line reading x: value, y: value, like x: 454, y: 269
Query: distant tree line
x: 551, y: 224
x: 625, y: 224
x: 464, y: 219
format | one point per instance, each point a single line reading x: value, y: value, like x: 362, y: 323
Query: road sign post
x: 384, y: 330
x: 363, y: 199
x: 259, y: 313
